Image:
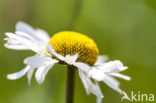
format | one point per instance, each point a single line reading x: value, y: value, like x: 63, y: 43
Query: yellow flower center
x: 69, y: 42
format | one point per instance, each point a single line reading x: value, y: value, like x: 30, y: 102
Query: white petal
x: 43, y: 35
x: 96, y: 74
x: 70, y: 59
x: 91, y: 87
x: 82, y: 66
x: 125, y: 77
x: 37, y: 61
x: 19, y: 74
x: 42, y: 72
x: 16, y: 47
x: 53, y: 52
x: 85, y: 81
x: 29, y: 75
x: 25, y: 35
x: 100, y: 76
x: 38, y: 40
x: 29, y: 38
x: 11, y: 41
x: 26, y: 28
x: 14, y: 44
x: 25, y: 42
x: 97, y: 91
x: 112, y: 83
x: 37, y: 34
x: 101, y: 59
x: 21, y: 26
x: 99, y: 99
x: 112, y: 67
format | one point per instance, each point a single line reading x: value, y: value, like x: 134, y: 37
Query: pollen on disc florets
x: 69, y: 42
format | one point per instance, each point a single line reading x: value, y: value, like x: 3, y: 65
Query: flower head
x: 67, y: 47
x: 69, y: 42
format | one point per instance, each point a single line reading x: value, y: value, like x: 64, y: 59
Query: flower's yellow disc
x: 69, y: 42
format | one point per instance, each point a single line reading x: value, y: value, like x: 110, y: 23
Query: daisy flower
x: 66, y: 48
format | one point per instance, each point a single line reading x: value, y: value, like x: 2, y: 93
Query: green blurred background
x: 122, y: 29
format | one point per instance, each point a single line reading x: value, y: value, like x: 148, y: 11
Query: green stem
x: 70, y: 84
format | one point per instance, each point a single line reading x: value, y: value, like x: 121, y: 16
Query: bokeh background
x: 122, y: 29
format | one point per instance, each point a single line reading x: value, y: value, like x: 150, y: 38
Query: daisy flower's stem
x: 70, y: 84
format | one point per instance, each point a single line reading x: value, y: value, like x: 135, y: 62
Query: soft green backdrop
x: 122, y: 29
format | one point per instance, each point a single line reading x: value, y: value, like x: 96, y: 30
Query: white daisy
x: 69, y: 48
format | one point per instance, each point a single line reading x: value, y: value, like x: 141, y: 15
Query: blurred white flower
x: 27, y: 38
